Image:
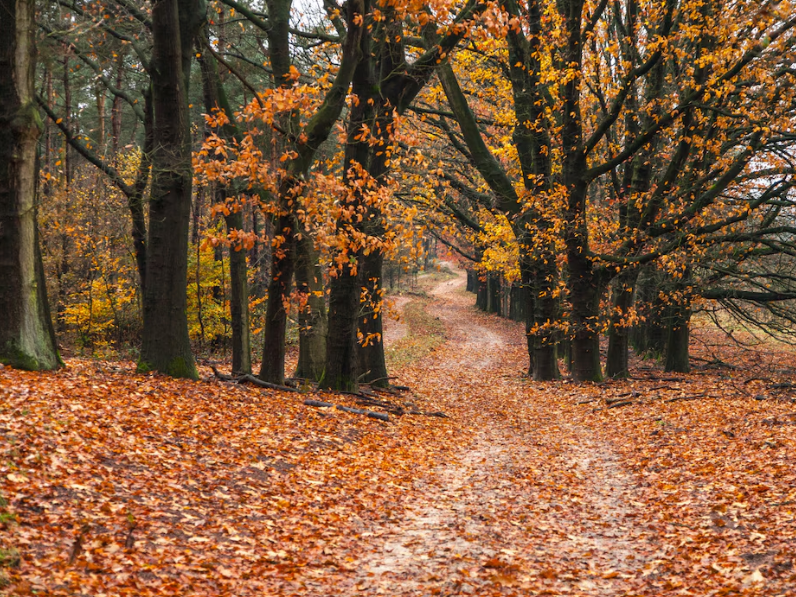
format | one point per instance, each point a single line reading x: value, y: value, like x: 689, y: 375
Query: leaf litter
x: 118, y: 483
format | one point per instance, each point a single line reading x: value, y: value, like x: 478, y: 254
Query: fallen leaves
x: 127, y: 484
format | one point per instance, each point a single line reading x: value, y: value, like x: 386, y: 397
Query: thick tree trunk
x: 677, y: 340
x: 481, y: 292
x: 344, y: 292
x: 584, y: 296
x: 472, y: 281
x: 272, y: 368
x: 370, y: 349
x: 619, y: 331
x: 542, y: 312
x: 165, y: 345
x: 27, y: 339
x: 341, y: 356
x: 312, y: 315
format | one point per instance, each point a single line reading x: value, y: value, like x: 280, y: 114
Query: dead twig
x: 689, y: 397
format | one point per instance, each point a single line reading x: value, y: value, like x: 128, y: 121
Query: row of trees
x: 613, y: 160
x: 647, y: 140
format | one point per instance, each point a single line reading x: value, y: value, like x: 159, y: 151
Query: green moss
x: 9, y: 558
x: 14, y: 356
x: 179, y: 367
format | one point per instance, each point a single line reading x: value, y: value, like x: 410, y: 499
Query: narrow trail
x: 532, y: 502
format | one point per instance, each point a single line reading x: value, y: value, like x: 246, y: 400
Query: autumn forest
x: 391, y: 297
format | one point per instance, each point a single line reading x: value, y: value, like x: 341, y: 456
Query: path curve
x: 533, y: 503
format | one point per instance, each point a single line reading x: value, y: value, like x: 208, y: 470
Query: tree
x: 27, y: 338
x: 165, y: 343
x: 386, y: 83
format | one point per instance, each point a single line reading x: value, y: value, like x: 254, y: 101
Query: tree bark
x: 677, y: 360
x: 313, y: 323
x: 619, y: 331
x: 27, y: 339
x: 314, y: 134
x: 165, y: 344
x: 370, y: 349
x: 215, y: 97
x: 272, y: 368
x: 344, y: 291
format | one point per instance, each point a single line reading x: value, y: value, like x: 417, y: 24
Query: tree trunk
x: 584, y: 295
x: 492, y: 294
x: 648, y: 337
x: 481, y: 292
x: 215, y: 97
x: 272, y: 368
x: 165, y: 345
x: 312, y: 314
x: 27, y: 339
x: 542, y: 313
x: 472, y: 281
x: 619, y: 331
x: 341, y: 361
x: 677, y: 340
x: 370, y: 349
x: 344, y: 292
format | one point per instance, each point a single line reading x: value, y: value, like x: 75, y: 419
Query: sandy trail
x: 532, y: 503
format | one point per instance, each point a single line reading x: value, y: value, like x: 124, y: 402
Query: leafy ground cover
x: 124, y: 484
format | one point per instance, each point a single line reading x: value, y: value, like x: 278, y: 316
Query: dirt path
x: 532, y: 503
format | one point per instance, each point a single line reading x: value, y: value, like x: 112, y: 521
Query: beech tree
x: 165, y: 345
x: 27, y: 338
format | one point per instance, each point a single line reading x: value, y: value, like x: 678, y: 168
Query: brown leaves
x: 124, y: 483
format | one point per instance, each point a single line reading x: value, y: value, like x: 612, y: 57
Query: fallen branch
x: 252, y: 380
x: 318, y: 403
x: 690, y: 397
x: 751, y: 379
x: 378, y: 379
x: 390, y: 408
x: 609, y: 402
x: 221, y: 376
x: 619, y: 403
x: 348, y: 409
x: 265, y: 384
x: 439, y: 413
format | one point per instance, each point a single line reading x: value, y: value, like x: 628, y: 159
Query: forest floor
x: 124, y: 484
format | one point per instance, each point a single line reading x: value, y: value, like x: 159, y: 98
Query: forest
x: 450, y: 297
